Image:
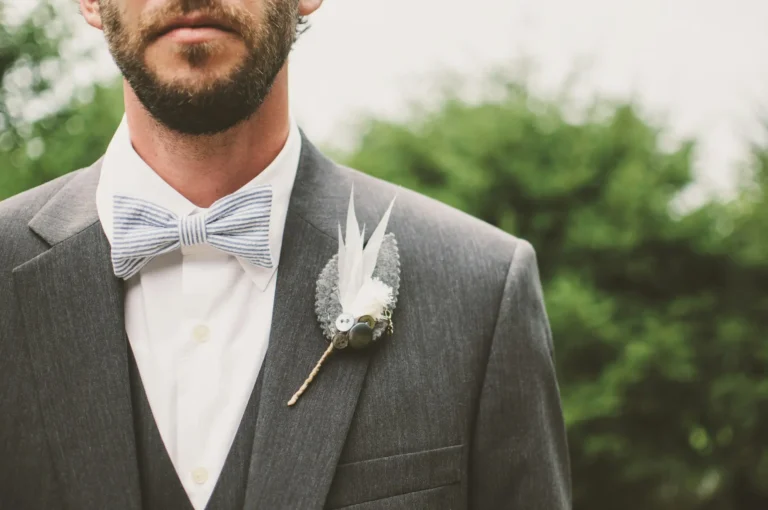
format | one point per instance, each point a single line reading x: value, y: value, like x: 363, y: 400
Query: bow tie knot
x: 192, y: 230
x: 237, y: 224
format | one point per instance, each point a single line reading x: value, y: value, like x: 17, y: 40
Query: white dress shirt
x: 197, y: 319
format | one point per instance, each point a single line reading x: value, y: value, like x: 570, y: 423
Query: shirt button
x: 200, y: 475
x: 201, y: 333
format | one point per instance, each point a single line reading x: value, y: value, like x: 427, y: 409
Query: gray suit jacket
x: 458, y: 409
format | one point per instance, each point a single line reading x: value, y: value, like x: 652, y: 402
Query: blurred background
x: 626, y: 139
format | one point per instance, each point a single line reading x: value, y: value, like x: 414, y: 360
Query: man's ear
x: 306, y: 7
x: 91, y: 13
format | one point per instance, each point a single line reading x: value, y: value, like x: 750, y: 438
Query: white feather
x: 355, y: 276
x: 359, y: 293
x: 371, y: 253
x: 346, y: 293
x: 340, y: 263
x: 372, y: 299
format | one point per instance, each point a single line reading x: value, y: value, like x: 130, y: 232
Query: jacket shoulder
x: 19, y: 242
x: 439, y: 228
x: 22, y: 207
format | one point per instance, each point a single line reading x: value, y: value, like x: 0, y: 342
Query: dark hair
x: 302, y: 26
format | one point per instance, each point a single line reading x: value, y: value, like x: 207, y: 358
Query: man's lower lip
x: 192, y: 35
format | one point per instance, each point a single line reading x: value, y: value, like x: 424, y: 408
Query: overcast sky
x: 701, y: 66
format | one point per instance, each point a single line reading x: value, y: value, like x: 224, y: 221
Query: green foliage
x: 660, y: 320
x: 72, y: 138
x: 35, y: 150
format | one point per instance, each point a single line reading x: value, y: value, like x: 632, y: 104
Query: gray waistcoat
x: 161, y: 488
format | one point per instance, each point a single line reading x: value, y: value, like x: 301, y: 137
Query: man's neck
x: 206, y: 168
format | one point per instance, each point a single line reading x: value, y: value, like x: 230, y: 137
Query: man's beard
x: 224, y: 102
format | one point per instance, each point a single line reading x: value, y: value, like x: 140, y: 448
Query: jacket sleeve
x: 519, y: 454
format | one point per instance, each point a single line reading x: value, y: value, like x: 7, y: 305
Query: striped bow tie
x: 237, y: 224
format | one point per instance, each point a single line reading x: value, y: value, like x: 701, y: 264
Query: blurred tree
x: 660, y: 319
x: 39, y: 139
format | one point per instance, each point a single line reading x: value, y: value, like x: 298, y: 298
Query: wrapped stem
x: 312, y: 375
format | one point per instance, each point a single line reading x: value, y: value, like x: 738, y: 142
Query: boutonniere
x: 357, y: 290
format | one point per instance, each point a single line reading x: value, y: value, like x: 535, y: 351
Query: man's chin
x: 189, y: 63
x: 191, y: 83
x: 194, y: 102
x: 188, y: 80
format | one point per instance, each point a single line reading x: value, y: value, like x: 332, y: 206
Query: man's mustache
x: 188, y: 6
x: 161, y: 20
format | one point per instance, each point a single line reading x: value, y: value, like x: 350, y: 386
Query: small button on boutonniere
x: 357, y: 290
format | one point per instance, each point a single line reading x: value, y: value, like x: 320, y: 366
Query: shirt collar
x: 124, y: 172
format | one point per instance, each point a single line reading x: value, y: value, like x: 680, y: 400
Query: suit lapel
x: 296, y: 449
x: 71, y: 306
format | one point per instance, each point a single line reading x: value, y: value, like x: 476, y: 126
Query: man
x: 137, y: 376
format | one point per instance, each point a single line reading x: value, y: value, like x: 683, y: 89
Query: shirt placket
x: 197, y: 384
